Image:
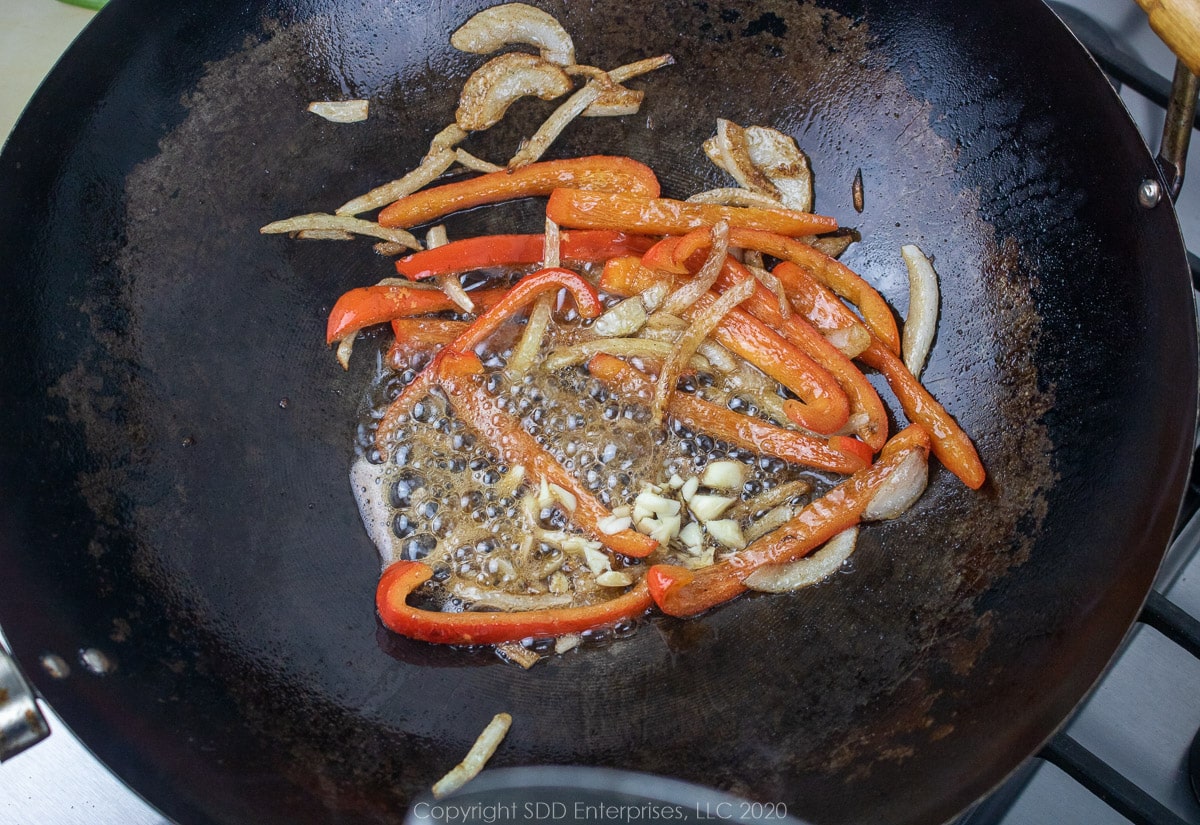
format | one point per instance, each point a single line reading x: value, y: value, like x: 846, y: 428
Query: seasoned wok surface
x: 163, y: 503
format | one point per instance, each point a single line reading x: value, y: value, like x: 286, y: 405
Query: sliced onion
x: 526, y: 351
x: 782, y: 578
x: 499, y: 26
x: 615, y: 101
x: 690, y: 292
x: 733, y: 196
x: 447, y: 283
x: 639, y: 67
x: 851, y: 341
x: 900, y: 490
x: 773, y: 519
x: 324, y: 235
x: 921, y: 323
x: 771, y: 499
x: 772, y: 283
x: 500, y: 600
x: 340, y: 111
x: 340, y: 223
x: 620, y: 347
x: 436, y: 161
x: 389, y: 249
x: 730, y: 150
x: 832, y: 245
x: 576, y: 105
x: 476, y: 757
x: 551, y: 245
x: 621, y: 320
x: 703, y: 323
x: 553, y: 126
x: 779, y: 158
x: 501, y: 82
x: 344, y: 350
x: 473, y: 163
x: 721, y: 359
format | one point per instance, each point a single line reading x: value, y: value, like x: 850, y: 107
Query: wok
x: 173, y: 476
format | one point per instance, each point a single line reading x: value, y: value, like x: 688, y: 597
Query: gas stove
x: 1122, y: 758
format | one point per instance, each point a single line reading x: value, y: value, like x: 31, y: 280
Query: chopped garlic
x: 727, y: 532
x: 568, y: 642
x: 724, y: 475
x: 559, y: 583
x: 578, y: 544
x: 648, y: 503
x: 597, y: 561
x: 544, y: 498
x: 668, y: 528
x: 708, y: 507
x: 689, y: 488
x: 614, y: 579
x: 611, y: 525
x: 676, y: 482
x: 563, y: 497
x: 692, y: 536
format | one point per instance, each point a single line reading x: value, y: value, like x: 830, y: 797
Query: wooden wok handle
x: 1177, y: 22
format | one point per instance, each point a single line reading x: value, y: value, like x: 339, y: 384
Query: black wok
x: 173, y: 474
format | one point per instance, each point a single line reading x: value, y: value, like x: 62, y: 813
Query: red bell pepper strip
x: 491, y: 627
x: 663, y: 216
x: 739, y: 430
x: 521, y: 295
x: 661, y: 256
x: 951, y: 445
x: 863, y: 399
x: 480, y: 412
x: 825, y: 408
x: 426, y: 333
x: 420, y: 335
x: 599, y: 173
x: 370, y: 305
x: 682, y: 592
x: 831, y: 272
x: 488, y: 251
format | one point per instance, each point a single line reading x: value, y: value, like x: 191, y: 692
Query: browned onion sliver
x: 782, y: 578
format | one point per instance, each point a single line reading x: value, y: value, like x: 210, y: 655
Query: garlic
x: 563, y: 497
x: 708, y: 507
x: 614, y: 579
x: 727, y: 532
x: 597, y: 561
x: 611, y: 525
x: 724, y: 475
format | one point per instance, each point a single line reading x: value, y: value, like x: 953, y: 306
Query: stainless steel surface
x: 21, y: 723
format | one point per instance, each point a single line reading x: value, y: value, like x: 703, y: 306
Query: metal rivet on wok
x: 1149, y: 193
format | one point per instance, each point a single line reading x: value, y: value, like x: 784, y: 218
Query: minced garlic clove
x: 708, y: 507
x: 727, y: 532
x: 724, y: 475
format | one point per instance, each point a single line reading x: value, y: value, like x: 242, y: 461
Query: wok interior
x: 207, y: 539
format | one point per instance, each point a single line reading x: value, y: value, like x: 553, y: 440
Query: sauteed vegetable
x: 638, y: 412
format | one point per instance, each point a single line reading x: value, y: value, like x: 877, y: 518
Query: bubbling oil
x: 444, y: 497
